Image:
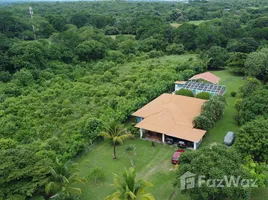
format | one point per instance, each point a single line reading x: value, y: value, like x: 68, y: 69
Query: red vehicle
x: 175, y: 157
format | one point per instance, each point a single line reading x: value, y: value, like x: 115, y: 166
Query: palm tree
x: 129, y: 189
x: 63, y: 175
x: 131, y: 151
x: 116, y: 133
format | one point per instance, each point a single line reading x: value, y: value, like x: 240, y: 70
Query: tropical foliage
x: 117, y: 134
x: 211, y: 112
x: 213, y: 163
x: 62, y: 177
x: 130, y: 189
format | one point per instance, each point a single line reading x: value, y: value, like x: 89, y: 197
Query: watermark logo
x: 189, y: 180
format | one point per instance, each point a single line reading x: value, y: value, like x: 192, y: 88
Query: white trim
x: 141, y: 132
x: 163, y: 138
x: 194, y: 145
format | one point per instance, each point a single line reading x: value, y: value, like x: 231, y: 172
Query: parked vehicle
x: 229, y: 138
x: 175, y: 157
x: 169, y: 140
x: 182, y: 144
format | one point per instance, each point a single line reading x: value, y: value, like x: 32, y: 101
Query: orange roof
x: 206, y: 76
x: 180, y: 82
x: 172, y: 115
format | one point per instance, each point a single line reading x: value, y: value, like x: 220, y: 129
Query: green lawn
x: 152, y: 164
x: 126, y: 35
x: 197, y: 22
x: 226, y: 123
x: 175, y: 25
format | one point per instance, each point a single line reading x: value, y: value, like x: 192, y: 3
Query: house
x: 171, y: 116
x: 209, y: 83
x: 206, y: 76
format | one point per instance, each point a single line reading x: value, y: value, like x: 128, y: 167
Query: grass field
x: 197, y: 23
x: 126, y: 35
x: 175, y: 25
x: 226, y: 123
x: 152, y: 164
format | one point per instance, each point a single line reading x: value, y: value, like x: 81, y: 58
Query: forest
x: 70, y: 68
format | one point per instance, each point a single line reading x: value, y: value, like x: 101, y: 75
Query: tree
x: 131, y: 151
x: 24, y: 171
x: 211, y: 112
x: 96, y: 174
x: 213, y: 163
x: 116, y: 133
x: 185, y: 92
x: 256, y: 64
x: 256, y: 170
x: 250, y: 85
x: 252, y: 106
x: 185, y: 34
x: 175, y: 48
x: 30, y: 54
x: 236, y: 62
x: 208, y: 35
x: 243, y: 45
x: 252, y: 139
x: 130, y: 189
x: 217, y: 57
x: 91, y: 50
x: 62, y: 178
x: 203, y: 95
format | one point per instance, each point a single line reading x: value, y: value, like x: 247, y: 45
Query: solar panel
x: 205, y: 87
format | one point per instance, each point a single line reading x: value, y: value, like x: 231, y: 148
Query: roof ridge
x: 181, y: 113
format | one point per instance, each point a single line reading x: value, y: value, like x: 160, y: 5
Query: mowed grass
x: 196, y: 22
x: 152, y: 164
x: 227, y: 122
x: 175, y: 25
x: 126, y: 35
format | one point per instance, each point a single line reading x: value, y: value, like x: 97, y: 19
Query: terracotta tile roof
x: 206, y: 76
x: 180, y: 82
x: 172, y: 115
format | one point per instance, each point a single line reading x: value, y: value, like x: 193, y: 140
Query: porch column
x: 141, y: 132
x: 163, y: 138
x: 194, y: 145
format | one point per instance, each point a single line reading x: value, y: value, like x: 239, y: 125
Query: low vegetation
x: 212, y: 110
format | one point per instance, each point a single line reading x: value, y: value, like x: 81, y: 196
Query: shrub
x: 233, y: 94
x: 155, y: 54
x: 185, y: 92
x: 96, y: 174
x: 203, y: 95
x: 212, y: 110
x: 203, y: 122
x: 175, y: 49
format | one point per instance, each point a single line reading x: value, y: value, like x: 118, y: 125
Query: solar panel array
x: 205, y: 87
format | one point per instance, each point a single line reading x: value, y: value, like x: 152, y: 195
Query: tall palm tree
x: 63, y: 175
x: 131, y: 151
x: 130, y: 189
x: 116, y: 133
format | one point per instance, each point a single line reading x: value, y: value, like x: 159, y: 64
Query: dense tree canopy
x: 212, y: 163
x: 252, y: 139
x: 85, y: 63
